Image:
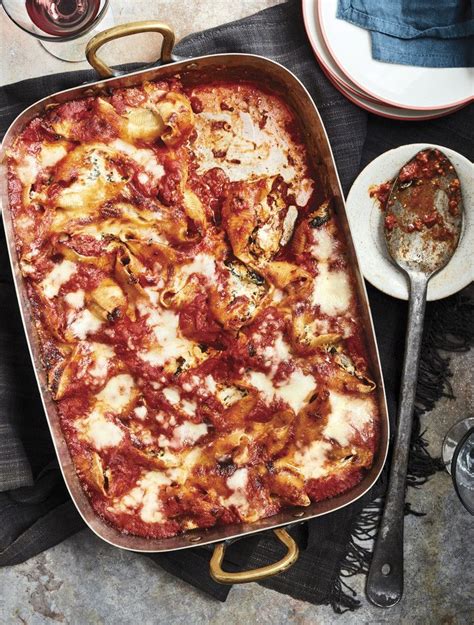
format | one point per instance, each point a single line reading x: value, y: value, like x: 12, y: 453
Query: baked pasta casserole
x: 195, y: 305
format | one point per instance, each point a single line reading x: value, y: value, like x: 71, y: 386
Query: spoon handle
x: 385, y: 579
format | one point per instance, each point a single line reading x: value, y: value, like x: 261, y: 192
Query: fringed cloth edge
x: 449, y: 327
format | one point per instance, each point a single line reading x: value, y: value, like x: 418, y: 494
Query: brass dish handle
x: 255, y: 575
x: 124, y: 30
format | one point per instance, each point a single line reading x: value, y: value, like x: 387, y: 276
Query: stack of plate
x: 391, y: 90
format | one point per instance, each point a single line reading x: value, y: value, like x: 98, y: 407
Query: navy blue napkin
x: 425, y: 33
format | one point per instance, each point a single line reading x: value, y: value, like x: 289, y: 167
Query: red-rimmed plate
x: 403, y: 86
x: 345, y: 86
x: 384, y: 110
x: 315, y: 35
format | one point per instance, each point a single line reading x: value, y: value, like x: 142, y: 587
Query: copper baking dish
x: 230, y: 66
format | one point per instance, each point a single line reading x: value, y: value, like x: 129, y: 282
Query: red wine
x: 62, y: 17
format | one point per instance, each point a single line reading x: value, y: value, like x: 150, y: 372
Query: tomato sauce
x: 229, y: 346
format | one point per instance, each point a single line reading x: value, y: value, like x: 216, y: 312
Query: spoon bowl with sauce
x: 424, y: 214
x: 422, y: 228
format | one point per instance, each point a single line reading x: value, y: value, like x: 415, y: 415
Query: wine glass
x: 63, y: 27
x: 458, y: 458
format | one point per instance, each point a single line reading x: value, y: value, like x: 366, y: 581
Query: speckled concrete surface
x: 23, y: 57
x: 85, y: 581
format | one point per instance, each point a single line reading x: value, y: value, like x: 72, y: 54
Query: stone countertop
x: 23, y: 56
x: 85, y: 581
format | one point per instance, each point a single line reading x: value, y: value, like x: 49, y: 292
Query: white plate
x: 405, y: 86
x: 366, y: 223
x: 351, y: 91
x: 315, y: 36
x: 385, y: 110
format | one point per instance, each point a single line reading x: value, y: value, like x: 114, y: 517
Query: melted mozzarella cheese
x: 277, y: 296
x: 117, y: 393
x: 239, y: 479
x: 203, y: 264
x: 51, y: 154
x: 323, y: 246
x: 26, y: 268
x: 267, y: 236
x: 102, y: 355
x: 294, y: 391
x: 146, y: 496
x: 141, y: 412
x: 311, y: 460
x: 263, y: 383
x: 188, y: 433
x: 29, y: 166
x: 277, y: 353
x: 210, y: 384
x: 250, y: 151
x: 171, y: 345
x: 100, y: 431
x: 238, y: 484
x: 144, y: 157
x: 153, y: 294
x: 250, y: 131
x: 331, y: 291
x: 348, y: 415
x: 58, y: 276
x: 189, y: 407
x: 75, y: 299
x: 27, y: 169
x: 150, y: 485
x: 84, y: 323
x: 172, y: 395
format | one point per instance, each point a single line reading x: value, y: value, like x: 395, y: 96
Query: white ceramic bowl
x: 366, y: 222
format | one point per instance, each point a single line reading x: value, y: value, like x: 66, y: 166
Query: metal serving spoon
x: 422, y: 228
